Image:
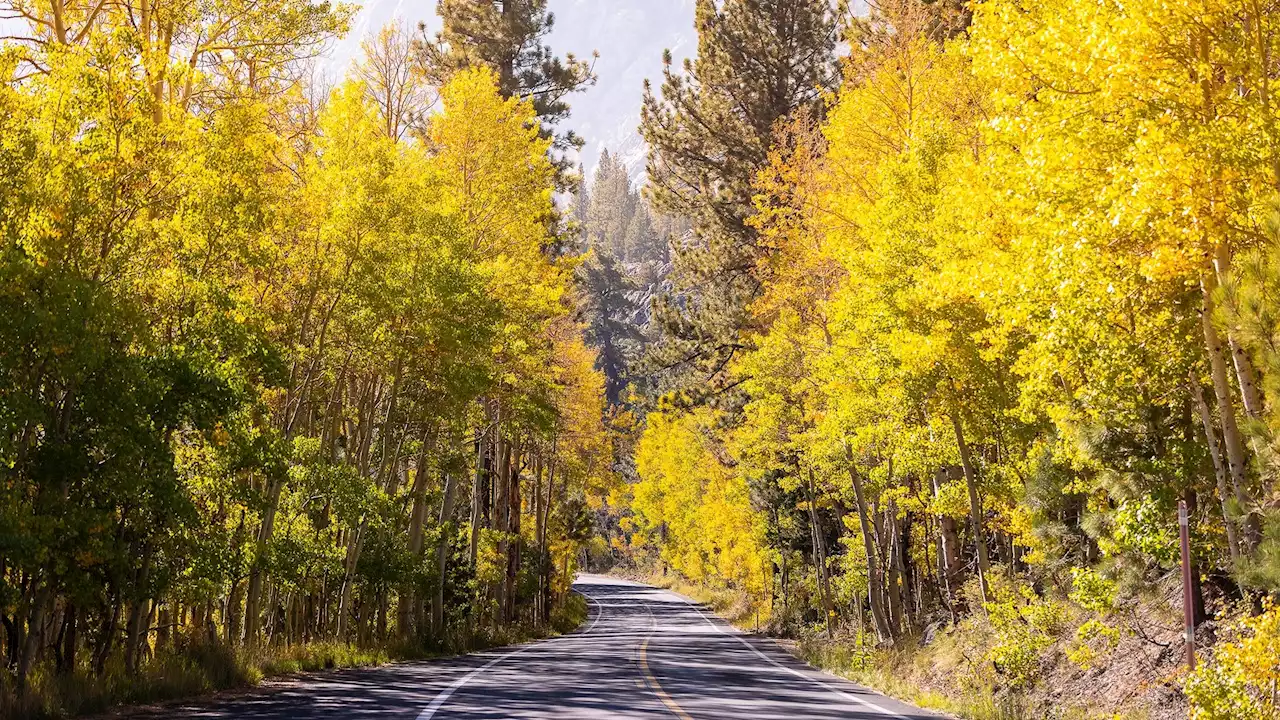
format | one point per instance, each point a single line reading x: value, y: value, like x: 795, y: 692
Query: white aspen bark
x: 1219, y: 472
x: 266, y: 530
x: 417, y: 522
x: 819, y: 554
x: 948, y: 546
x: 1231, y: 438
x: 355, y: 544
x: 876, y: 593
x: 975, y: 504
x: 442, y: 553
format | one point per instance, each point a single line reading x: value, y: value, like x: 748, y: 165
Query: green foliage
x: 1091, y: 591
x: 1025, y: 625
x: 1094, y: 640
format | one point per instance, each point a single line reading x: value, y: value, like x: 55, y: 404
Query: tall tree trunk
x: 417, y: 521
x: 893, y: 575
x: 948, y: 548
x: 820, y: 554
x: 546, y: 567
x: 265, y: 531
x: 442, y: 552
x: 515, y: 545
x: 234, y: 600
x: 537, y: 532
x: 41, y: 597
x: 876, y: 593
x: 135, y: 629
x: 479, y: 490
x: 164, y: 624
x: 785, y: 580
x: 902, y: 559
x: 1231, y: 437
x: 355, y: 544
x: 70, y: 639
x: 1219, y: 471
x: 975, y: 504
x: 502, y: 520
x: 1246, y: 378
x: 107, y: 635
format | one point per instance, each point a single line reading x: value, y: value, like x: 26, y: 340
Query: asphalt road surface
x: 642, y: 653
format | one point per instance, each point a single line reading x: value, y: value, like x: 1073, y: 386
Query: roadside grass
x: 930, y: 677
x: 901, y: 673
x: 197, y: 665
x: 726, y: 603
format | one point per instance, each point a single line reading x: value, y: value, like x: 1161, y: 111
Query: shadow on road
x: 596, y: 672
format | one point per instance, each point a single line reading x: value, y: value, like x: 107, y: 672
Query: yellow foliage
x: 1239, y: 681
x: 695, y: 508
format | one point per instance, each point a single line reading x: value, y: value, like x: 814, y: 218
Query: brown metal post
x: 1188, y: 609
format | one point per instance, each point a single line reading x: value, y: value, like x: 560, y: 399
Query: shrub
x: 1239, y: 681
x: 1025, y: 626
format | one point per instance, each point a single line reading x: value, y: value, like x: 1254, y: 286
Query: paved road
x: 643, y: 653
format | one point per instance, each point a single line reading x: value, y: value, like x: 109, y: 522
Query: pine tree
x: 618, y: 277
x: 606, y: 308
x: 610, y: 209
x: 640, y: 240
x: 581, y: 205
x: 709, y: 133
x: 508, y: 37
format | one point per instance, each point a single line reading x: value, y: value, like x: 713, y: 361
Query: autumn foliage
x: 1016, y: 294
x: 279, y: 370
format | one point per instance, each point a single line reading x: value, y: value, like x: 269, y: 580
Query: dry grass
x: 947, y: 676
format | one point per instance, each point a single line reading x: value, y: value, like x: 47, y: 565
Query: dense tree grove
x: 278, y: 364
x: 1007, y: 298
x: 925, y: 319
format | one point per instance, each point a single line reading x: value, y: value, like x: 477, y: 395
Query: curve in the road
x: 445, y: 694
x: 643, y: 660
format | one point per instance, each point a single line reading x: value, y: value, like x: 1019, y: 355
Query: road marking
x: 657, y: 688
x: 448, y: 692
x: 599, y: 614
x: 830, y: 688
x: 653, y: 679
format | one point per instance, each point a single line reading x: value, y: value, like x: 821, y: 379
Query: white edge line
x: 830, y: 688
x: 448, y: 692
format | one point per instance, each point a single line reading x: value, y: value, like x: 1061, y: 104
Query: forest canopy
x: 920, y: 325
x: 948, y: 344
x: 281, y: 364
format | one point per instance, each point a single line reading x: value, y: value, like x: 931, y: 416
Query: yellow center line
x: 657, y: 688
